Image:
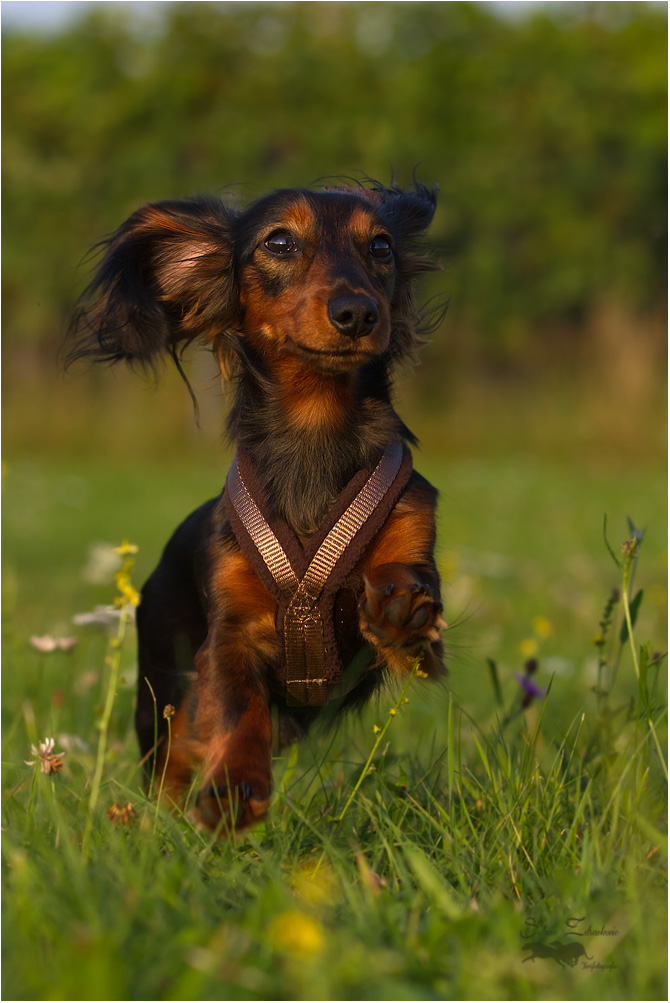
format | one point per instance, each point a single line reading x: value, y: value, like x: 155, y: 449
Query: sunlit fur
x: 306, y: 300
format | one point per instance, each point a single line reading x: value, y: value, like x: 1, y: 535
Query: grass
x: 422, y: 868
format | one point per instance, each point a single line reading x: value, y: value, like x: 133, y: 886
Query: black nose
x: 354, y: 315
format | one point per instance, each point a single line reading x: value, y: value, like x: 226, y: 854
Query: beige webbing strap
x: 303, y: 627
x: 256, y: 526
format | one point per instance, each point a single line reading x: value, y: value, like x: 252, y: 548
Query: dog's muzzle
x: 353, y: 315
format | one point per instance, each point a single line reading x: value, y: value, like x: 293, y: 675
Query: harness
x: 304, y: 581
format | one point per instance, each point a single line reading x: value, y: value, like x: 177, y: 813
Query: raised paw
x: 398, y: 614
x: 397, y: 611
x: 233, y: 806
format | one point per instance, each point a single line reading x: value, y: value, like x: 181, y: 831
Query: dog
x: 312, y: 577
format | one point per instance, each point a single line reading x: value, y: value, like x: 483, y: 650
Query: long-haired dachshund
x: 312, y: 576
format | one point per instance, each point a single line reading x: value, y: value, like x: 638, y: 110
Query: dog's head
x: 324, y: 276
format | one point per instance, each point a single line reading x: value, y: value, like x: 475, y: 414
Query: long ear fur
x: 166, y: 278
x: 409, y: 214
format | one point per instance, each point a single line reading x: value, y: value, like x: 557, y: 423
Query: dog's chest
x: 315, y: 615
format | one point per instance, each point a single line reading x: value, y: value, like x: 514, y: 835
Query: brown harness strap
x: 303, y: 622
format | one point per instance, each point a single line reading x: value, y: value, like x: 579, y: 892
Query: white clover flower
x: 50, y: 761
x: 46, y: 643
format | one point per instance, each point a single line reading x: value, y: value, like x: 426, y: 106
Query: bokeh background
x: 544, y: 125
x: 540, y: 402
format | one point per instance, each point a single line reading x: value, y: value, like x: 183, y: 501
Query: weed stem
x: 114, y: 662
x: 380, y: 735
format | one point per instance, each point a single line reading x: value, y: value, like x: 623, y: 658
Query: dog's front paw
x: 233, y: 806
x: 398, y: 611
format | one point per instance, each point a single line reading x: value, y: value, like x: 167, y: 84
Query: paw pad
x: 400, y: 615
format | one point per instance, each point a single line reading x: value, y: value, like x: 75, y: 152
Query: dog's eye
x: 280, y: 242
x: 380, y: 247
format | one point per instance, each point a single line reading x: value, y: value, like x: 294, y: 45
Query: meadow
x: 501, y: 835
x: 448, y: 843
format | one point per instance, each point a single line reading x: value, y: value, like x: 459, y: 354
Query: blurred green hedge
x: 546, y: 133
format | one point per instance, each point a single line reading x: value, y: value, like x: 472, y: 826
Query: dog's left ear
x: 408, y: 211
x: 412, y: 211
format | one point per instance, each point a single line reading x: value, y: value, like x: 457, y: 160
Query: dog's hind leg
x: 171, y: 626
x: 170, y: 630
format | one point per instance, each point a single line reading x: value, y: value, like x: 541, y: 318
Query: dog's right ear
x: 165, y: 279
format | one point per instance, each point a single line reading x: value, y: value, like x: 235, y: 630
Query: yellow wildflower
x: 542, y: 627
x: 128, y: 592
x: 297, y: 934
x: 314, y: 884
x: 528, y: 647
x: 125, y: 549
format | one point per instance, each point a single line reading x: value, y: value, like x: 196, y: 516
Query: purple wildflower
x: 529, y: 689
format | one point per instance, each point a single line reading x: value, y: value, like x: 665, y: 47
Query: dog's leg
x: 171, y: 628
x: 401, y: 616
x: 233, y: 724
x: 400, y: 612
x: 232, y: 720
